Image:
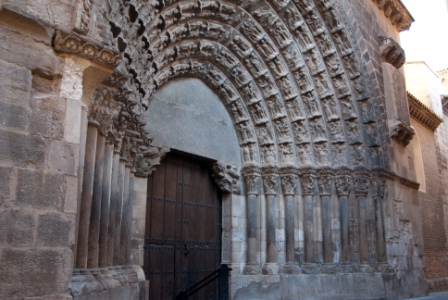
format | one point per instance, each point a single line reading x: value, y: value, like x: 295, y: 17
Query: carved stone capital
x: 378, y: 186
x: 270, y: 183
x: 308, y: 181
x: 252, y: 177
x: 361, y: 179
x: 391, y: 52
x: 343, y: 182
x: 74, y: 44
x: 289, y: 184
x: 147, y: 158
x: 402, y: 133
x: 325, y: 179
x: 226, y: 176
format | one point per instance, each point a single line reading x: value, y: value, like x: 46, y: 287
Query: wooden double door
x: 183, y: 228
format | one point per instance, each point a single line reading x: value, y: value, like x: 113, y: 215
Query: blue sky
x: 427, y: 40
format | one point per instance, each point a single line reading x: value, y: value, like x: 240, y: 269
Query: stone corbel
x: 396, y: 12
x: 73, y: 44
x: 402, y: 133
x: 226, y: 177
x: 147, y: 158
x: 391, y: 52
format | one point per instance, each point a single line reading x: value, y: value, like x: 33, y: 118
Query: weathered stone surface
x: 18, y: 228
x: 63, y: 158
x: 22, y: 149
x: 5, y: 183
x: 48, y: 116
x: 35, y: 272
x: 18, y: 46
x: 13, y: 116
x: 16, y: 84
x: 39, y: 190
x: 56, y: 230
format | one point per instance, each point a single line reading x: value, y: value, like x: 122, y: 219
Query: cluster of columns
x: 105, y: 215
x: 333, y: 220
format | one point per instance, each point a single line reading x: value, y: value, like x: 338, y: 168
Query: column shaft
x: 353, y: 228
x: 289, y: 227
x: 114, y: 196
x: 95, y: 216
x: 326, y: 229
x: 362, y: 219
x: 344, y: 217
x: 380, y: 239
x: 118, y: 212
x: 253, y: 242
x: 128, y: 220
x: 105, y: 205
x: 271, y: 248
x: 86, y: 197
x: 309, y: 228
x: 317, y: 239
x: 123, y: 228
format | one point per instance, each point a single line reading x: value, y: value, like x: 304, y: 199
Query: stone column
x: 308, y: 183
x: 118, y: 211
x: 343, y: 182
x: 289, y: 187
x: 325, y: 179
x: 95, y: 216
x: 270, y: 184
x: 86, y: 196
x: 105, y: 205
x: 361, y: 181
x: 252, y: 177
x: 114, y: 196
x: 127, y: 214
x: 378, y: 187
x: 125, y: 211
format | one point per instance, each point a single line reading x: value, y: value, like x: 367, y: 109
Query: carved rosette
x: 270, y: 180
x: 325, y: 180
x: 252, y: 177
x: 308, y: 181
x: 361, y: 179
x: 226, y: 177
x: 343, y: 181
x: 289, y: 179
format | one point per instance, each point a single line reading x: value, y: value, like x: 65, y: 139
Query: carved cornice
x: 71, y: 43
x: 409, y: 183
x: 226, y: 176
x: 396, y: 12
x: 391, y: 52
x: 426, y: 116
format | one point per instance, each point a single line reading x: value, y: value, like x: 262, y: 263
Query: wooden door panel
x: 183, y: 233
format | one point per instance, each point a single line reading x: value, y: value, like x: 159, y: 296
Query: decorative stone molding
x: 82, y: 18
x: 426, y: 116
x: 402, y: 133
x: 396, y: 12
x: 226, y: 177
x: 74, y: 44
x: 391, y: 52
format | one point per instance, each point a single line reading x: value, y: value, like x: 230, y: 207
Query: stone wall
x: 282, y: 228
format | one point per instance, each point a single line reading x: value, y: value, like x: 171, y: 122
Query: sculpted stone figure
x: 304, y: 151
x: 303, y: 80
x: 266, y: 85
x: 357, y: 154
x: 293, y: 109
x: 265, y: 134
x: 282, y: 128
x: 321, y: 81
x: 347, y: 108
x: 334, y: 65
x: 286, y: 87
x: 277, y: 66
x: 237, y: 111
x: 281, y: 34
x: 245, y: 132
x: 254, y: 64
x: 286, y: 153
x: 268, y: 154
x: 324, y: 44
x: 251, y: 92
x: 293, y: 57
x: 258, y: 113
x: 339, y: 156
x: 265, y: 16
x: 226, y: 59
x: 249, y: 153
x: 240, y: 75
x: 311, y: 104
x: 330, y: 108
x: 226, y: 177
x: 275, y: 106
x: 267, y: 48
x: 314, y: 22
x: 252, y: 30
x: 240, y: 46
x: 317, y: 129
x: 300, y: 132
x: 304, y: 37
x: 321, y: 153
x: 335, y: 128
x: 228, y: 91
x: 313, y: 61
x: 293, y: 18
